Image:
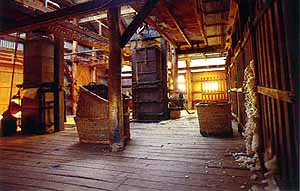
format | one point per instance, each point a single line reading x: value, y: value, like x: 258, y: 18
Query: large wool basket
x: 92, y: 118
x: 215, y: 119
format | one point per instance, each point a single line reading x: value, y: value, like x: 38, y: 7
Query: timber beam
x: 199, y: 13
x: 87, y: 33
x: 217, y: 48
x: 137, y: 21
x: 60, y: 15
x: 59, y: 31
x: 217, y: 11
x: 174, y: 20
x: 65, y: 3
x: 66, y: 30
x: 216, y: 35
x: 202, y: 67
x: 12, y: 38
x: 151, y: 22
x: 215, y: 24
x: 231, y: 20
x: 103, y: 15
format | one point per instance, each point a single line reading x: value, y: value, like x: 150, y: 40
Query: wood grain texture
x: 171, y: 155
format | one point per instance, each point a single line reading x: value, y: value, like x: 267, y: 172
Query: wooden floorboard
x: 170, y: 155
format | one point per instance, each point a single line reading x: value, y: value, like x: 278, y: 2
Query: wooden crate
x: 214, y: 119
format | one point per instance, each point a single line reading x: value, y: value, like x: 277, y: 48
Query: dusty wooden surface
x: 170, y: 155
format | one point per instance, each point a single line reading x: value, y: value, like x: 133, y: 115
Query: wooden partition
x: 267, y: 34
x: 6, y: 68
x: 243, y: 54
x: 276, y: 87
x: 209, y: 86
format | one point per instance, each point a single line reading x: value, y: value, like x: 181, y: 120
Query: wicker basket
x: 214, y: 119
x: 92, y: 130
x: 92, y: 118
x: 92, y: 115
x: 91, y: 105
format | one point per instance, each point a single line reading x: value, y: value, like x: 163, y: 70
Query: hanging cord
x: 13, y: 72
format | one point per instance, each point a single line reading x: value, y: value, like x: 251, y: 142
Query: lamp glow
x: 181, y: 87
x: 210, y: 86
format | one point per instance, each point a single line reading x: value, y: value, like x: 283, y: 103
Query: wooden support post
x: 163, y: 44
x: 74, y: 72
x: 59, y: 111
x: 93, y: 69
x: 188, y: 83
x: 115, y: 106
x: 174, y: 69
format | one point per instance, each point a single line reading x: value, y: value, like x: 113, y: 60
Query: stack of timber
x: 148, y: 85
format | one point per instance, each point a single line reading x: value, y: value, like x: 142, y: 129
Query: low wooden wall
x: 6, y: 68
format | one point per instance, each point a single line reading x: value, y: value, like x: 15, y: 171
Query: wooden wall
x: 83, y: 75
x: 267, y: 34
x: 200, y: 94
x: 276, y: 88
x: 242, y: 55
x: 6, y: 63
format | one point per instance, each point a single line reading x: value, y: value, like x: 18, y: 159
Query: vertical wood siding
x: 267, y: 38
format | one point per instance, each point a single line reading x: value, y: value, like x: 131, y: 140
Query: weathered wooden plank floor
x: 170, y: 155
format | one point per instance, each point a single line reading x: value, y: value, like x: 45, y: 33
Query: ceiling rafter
x: 215, y: 24
x: 231, y: 19
x: 126, y: 10
x: 137, y: 21
x: 198, y: 9
x: 151, y: 22
x: 71, y: 35
x: 217, y: 11
x: 71, y: 31
x: 60, y: 15
x: 177, y: 24
x: 65, y: 3
x: 216, y: 48
x: 90, y: 34
x: 216, y: 35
